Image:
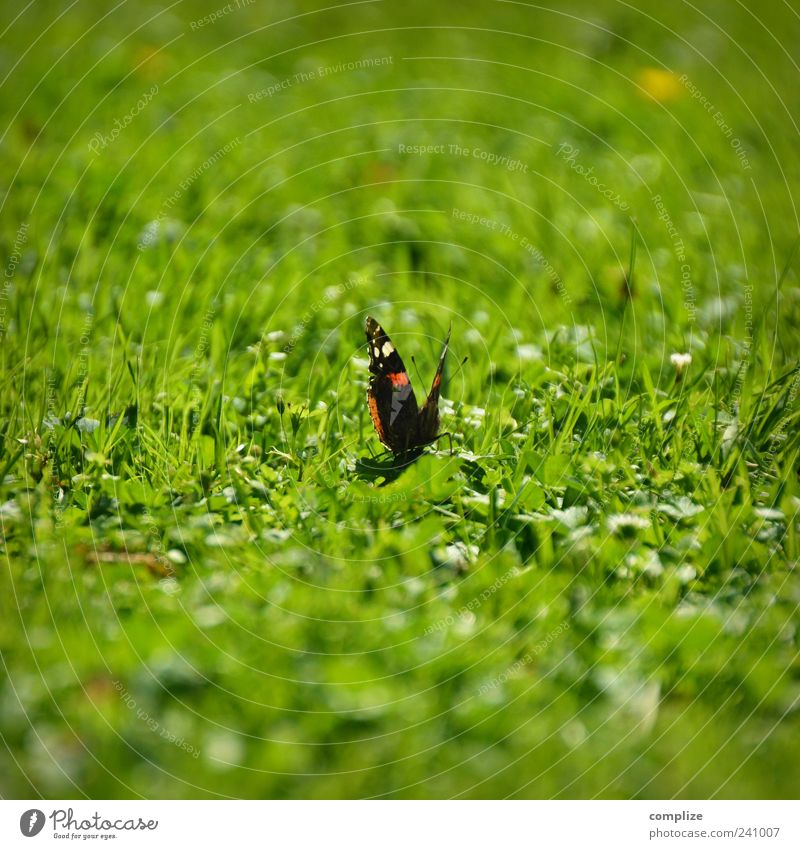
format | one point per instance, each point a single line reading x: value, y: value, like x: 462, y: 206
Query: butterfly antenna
x: 416, y: 367
x: 460, y: 366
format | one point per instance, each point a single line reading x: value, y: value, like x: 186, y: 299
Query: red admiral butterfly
x: 400, y: 424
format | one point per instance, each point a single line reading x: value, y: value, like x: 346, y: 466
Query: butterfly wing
x: 392, y: 403
x: 428, y: 423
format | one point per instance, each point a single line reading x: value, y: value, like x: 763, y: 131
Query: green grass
x: 213, y: 581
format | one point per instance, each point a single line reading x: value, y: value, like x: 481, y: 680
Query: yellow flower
x: 661, y: 85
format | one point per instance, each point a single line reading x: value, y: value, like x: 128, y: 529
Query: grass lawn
x: 216, y: 583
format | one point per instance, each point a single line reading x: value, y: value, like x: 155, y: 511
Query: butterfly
x: 400, y: 424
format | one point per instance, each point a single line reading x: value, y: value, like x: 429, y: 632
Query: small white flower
x: 627, y: 522
x: 529, y: 352
x: 446, y: 407
x: 680, y: 361
x: 10, y: 510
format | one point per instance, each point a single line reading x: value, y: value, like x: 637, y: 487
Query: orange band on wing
x: 399, y: 378
x: 376, y: 419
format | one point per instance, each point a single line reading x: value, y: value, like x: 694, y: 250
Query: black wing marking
x: 428, y: 423
x: 392, y: 403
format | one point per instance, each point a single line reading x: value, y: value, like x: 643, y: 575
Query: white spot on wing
x: 388, y: 348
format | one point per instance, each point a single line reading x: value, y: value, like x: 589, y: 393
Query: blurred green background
x: 213, y: 582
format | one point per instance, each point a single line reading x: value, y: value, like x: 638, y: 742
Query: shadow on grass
x: 385, y: 468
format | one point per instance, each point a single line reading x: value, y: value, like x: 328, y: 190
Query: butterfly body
x: 401, y: 425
